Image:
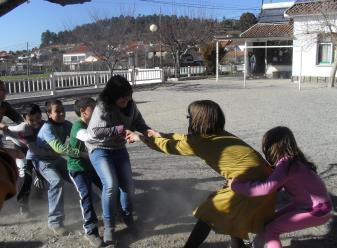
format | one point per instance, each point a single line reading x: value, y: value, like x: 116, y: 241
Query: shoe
x: 59, y: 230
x: 94, y: 239
x: 109, y: 238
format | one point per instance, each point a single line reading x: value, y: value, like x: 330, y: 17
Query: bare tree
x: 107, y: 40
x: 183, y: 33
x: 108, y: 43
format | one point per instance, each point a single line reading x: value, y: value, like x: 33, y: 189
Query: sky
x: 25, y: 23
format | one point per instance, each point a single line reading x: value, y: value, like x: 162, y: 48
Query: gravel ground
x: 168, y: 188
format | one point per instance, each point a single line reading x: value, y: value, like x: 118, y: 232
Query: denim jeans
x: 114, y: 169
x: 54, y: 172
x: 83, y: 181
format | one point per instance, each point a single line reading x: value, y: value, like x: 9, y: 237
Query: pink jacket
x: 306, y: 189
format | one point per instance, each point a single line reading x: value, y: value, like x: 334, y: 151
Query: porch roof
x: 312, y: 7
x: 269, y: 31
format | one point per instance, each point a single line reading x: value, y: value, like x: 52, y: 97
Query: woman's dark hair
x: 83, y: 102
x: 49, y: 105
x: 116, y: 87
x: 279, y: 142
x: 205, y: 117
x: 30, y: 109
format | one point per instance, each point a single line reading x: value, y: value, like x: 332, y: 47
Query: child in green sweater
x: 81, y: 171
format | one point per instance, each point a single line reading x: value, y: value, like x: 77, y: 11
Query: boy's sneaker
x: 109, y: 238
x: 59, y: 230
x: 94, y: 239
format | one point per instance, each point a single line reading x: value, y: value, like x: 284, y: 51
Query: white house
x: 313, y: 53
x: 79, y: 54
x: 275, y: 31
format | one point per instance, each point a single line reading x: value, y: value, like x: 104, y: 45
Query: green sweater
x: 78, y: 164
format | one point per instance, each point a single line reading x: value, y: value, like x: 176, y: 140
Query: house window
x: 325, y: 54
x: 281, y: 55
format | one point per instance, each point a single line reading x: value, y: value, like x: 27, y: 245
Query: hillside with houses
x: 125, y: 41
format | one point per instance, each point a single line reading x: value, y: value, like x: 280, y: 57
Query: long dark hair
x: 279, y: 142
x: 205, y: 117
x: 116, y: 87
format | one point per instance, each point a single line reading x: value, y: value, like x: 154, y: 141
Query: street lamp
x: 153, y: 29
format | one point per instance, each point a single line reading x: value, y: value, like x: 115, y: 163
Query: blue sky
x: 26, y: 22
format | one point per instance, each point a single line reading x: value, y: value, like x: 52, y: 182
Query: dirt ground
x: 168, y: 188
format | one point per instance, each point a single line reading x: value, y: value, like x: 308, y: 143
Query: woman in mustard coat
x: 223, y: 211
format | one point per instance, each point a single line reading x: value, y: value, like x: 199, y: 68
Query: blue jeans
x: 83, y: 181
x: 114, y: 169
x: 54, y: 172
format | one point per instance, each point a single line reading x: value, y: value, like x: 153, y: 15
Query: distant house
x: 274, y: 30
x: 313, y: 61
x: 77, y: 55
x: 234, y: 51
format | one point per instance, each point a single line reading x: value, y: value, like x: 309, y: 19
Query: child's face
x: 34, y: 120
x: 57, y: 113
x: 123, y: 101
x: 86, y: 113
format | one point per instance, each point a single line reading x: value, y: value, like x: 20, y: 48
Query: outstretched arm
x: 275, y: 181
x: 165, y: 145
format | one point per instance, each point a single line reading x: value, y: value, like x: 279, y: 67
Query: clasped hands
x: 132, y: 137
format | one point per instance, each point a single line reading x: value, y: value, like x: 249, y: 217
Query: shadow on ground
x: 165, y: 207
x: 21, y: 244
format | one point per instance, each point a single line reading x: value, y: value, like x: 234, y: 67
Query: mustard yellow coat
x: 225, y: 211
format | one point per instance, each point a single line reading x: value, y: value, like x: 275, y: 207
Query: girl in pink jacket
x: 310, y: 202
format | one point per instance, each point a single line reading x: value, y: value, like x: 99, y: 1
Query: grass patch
x: 19, y: 77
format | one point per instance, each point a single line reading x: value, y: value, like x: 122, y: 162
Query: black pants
x: 198, y: 235
x: 25, y: 185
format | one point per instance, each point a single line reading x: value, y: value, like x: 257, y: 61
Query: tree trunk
x: 333, y: 73
x: 177, y: 65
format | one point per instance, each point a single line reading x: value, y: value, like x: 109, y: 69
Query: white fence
x: 68, y: 84
x: 186, y: 71
x: 68, y: 80
x: 231, y: 68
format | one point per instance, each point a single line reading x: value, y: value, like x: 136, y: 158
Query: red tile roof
x: 314, y: 7
x: 269, y: 30
x: 78, y: 49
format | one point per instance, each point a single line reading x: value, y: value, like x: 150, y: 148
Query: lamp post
x: 153, y: 29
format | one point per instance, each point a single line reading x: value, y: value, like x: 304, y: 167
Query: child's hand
x: 229, y: 182
x: 152, y: 133
x: 3, y: 126
x: 131, y: 137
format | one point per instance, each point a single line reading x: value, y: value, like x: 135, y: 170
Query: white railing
x: 231, y: 68
x: 60, y: 81
x: 186, y: 71
x: 32, y: 85
x: 69, y: 80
